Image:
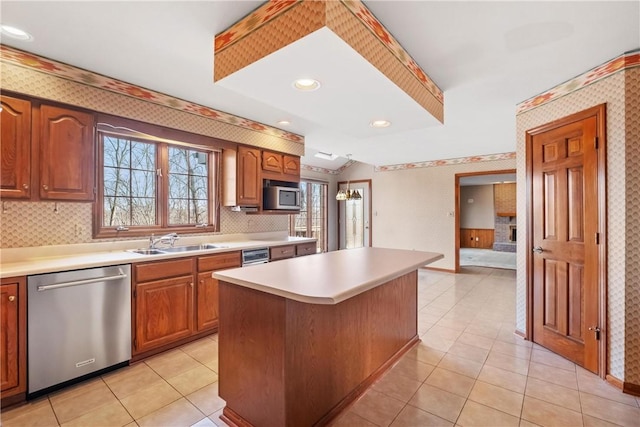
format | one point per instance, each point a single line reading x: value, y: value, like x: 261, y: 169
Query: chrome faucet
x: 167, y: 238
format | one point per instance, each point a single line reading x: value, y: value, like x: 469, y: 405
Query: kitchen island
x: 302, y: 338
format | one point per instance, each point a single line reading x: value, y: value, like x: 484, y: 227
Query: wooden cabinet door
x: 207, y: 302
x: 13, y: 354
x: 66, y: 154
x: 291, y: 165
x: 249, y: 185
x: 15, y: 165
x: 272, y: 161
x: 9, y: 340
x: 164, y: 312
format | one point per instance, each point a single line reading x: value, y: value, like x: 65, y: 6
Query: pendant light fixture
x: 348, y: 195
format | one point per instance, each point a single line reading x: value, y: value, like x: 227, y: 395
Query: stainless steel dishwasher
x: 79, y: 325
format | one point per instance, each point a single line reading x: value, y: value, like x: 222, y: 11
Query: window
x: 312, y: 219
x: 149, y: 184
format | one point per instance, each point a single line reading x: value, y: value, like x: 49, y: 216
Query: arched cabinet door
x: 66, y: 154
x: 15, y: 166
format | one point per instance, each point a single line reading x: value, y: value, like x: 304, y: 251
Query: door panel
x: 565, y: 221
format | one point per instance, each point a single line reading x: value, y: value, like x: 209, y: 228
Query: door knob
x: 12, y: 298
x: 537, y: 250
x: 45, y: 187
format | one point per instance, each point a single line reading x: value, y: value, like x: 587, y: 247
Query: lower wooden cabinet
x: 306, y: 249
x: 476, y: 238
x: 207, y: 287
x: 164, y: 312
x: 175, y: 300
x: 282, y: 252
x: 13, y: 342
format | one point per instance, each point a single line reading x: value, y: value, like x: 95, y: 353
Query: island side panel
x: 251, y: 355
x: 334, y: 352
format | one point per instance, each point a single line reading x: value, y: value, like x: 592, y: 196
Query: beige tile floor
x: 469, y: 370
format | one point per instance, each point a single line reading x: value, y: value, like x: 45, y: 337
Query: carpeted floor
x: 487, y: 258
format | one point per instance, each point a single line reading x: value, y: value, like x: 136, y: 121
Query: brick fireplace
x: 504, y: 201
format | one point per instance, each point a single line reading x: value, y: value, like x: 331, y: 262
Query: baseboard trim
x: 625, y: 387
x: 444, y: 270
x: 520, y: 333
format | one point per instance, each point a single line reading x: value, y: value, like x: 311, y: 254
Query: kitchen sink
x: 177, y: 249
x: 146, y: 251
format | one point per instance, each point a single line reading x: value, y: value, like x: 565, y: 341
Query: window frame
x: 162, y: 138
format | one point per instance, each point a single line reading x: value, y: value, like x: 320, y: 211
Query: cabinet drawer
x: 282, y: 252
x: 219, y: 261
x: 306, y: 249
x: 162, y: 269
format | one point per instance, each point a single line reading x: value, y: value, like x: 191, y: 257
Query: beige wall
x: 476, y: 206
x: 413, y: 208
x: 623, y: 209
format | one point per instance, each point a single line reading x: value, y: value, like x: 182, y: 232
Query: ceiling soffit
x: 279, y: 23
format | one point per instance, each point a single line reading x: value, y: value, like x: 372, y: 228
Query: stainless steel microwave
x: 281, y: 198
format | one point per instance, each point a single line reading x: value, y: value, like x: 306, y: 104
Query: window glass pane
x: 143, y: 211
x: 116, y: 152
x: 143, y: 156
x: 178, y: 162
x: 312, y: 219
x: 178, y: 188
x: 129, y: 182
x: 143, y: 184
x: 188, y: 186
x: 178, y: 211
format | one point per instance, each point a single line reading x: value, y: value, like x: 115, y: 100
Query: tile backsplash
x: 27, y: 224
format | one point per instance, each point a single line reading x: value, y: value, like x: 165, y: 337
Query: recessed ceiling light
x: 284, y: 122
x: 306, y: 85
x: 380, y: 124
x: 326, y: 156
x: 15, y: 33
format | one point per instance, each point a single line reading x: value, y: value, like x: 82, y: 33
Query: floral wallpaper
x: 447, y: 162
x: 58, y: 69
x: 626, y: 60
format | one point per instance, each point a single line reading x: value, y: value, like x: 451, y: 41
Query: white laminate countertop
x: 331, y: 277
x: 29, y: 261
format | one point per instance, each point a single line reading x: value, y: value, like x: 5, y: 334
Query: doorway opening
x: 485, y: 219
x: 354, y: 216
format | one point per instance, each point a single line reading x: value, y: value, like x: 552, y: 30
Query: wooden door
x: 9, y: 350
x: 15, y: 148
x: 164, y: 312
x: 565, y: 225
x: 66, y: 154
x: 249, y: 185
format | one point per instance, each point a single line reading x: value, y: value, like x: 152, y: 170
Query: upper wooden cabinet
x: 280, y: 167
x: 242, y: 180
x: 272, y: 161
x: 291, y: 165
x: 13, y: 330
x: 66, y: 154
x: 48, y: 147
x: 15, y: 148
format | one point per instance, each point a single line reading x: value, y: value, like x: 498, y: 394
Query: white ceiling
x: 485, y: 56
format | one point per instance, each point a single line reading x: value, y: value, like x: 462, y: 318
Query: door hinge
x: 595, y: 142
x: 597, y: 238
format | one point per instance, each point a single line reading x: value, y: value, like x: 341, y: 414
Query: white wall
x: 476, y: 206
x: 413, y: 208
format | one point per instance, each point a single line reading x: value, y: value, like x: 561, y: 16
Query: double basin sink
x: 174, y: 249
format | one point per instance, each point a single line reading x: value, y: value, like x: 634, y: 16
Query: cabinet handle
x: 191, y: 284
x: 25, y: 186
x: 45, y: 187
x: 12, y: 298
